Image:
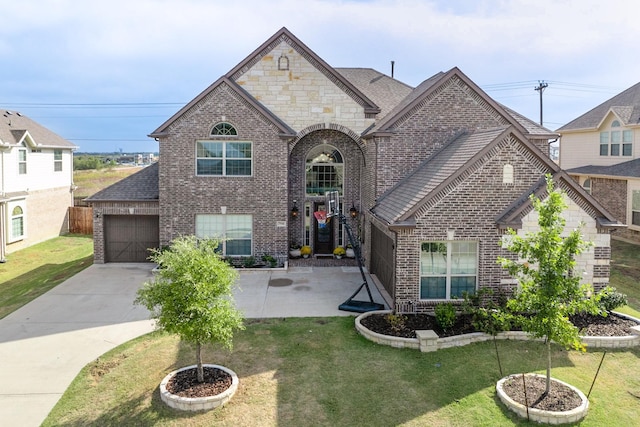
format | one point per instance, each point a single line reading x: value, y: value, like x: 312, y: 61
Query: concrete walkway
x: 44, y: 344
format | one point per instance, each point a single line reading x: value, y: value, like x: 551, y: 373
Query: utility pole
x: 540, y: 88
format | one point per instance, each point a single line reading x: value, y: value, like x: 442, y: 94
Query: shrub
x: 487, y: 314
x: 445, y: 315
x: 396, y: 321
x: 269, y: 260
x: 610, y: 299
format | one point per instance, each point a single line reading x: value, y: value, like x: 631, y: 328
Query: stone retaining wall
x: 428, y: 341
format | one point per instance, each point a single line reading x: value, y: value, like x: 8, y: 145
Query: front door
x: 323, y: 234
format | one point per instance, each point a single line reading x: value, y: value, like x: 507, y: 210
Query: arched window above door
x: 324, y: 170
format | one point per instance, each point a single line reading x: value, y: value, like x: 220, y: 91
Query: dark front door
x: 323, y: 234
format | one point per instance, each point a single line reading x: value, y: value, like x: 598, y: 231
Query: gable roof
x: 16, y: 127
x: 428, y: 87
x: 628, y: 169
x: 284, y: 35
x: 140, y: 186
x: 282, y: 126
x: 626, y: 105
x: 385, y: 91
x: 511, y: 217
x: 401, y: 201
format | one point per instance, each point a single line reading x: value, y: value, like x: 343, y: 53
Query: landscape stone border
x: 428, y: 340
x: 198, y: 403
x: 540, y: 415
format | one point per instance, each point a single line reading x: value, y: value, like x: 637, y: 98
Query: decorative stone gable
x: 294, y: 89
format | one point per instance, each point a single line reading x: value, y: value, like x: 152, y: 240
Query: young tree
x: 550, y: 289
x: 192, y: 294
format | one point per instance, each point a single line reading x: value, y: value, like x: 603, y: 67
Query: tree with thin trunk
x: 549, y: 287
x: 191, y: 295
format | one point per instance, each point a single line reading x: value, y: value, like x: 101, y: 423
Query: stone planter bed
x: 428, y: 340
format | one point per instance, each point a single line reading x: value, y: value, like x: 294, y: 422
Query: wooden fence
x: 80, y: 220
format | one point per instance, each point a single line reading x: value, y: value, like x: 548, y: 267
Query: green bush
x: 445, y: 315
x: 396, y: 321
x: 610, y: 299
x: 488, y: 314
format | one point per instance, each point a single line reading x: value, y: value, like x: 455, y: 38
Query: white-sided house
x: 36, y: 183
x: 601, y: 150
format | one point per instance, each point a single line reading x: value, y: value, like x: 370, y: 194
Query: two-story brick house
x: 437, y: 173
x: 600, y: 150
x: 36, y: 182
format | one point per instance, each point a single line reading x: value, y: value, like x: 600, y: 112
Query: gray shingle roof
x: 14, y: 125
x: 532, y: 127
x: 630, y: 169
x: 436, y: 169
x: 140, y: 186
x: 626, y: 104
x: 384, y: 91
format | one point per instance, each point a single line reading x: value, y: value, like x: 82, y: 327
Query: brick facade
x: 320, y: 108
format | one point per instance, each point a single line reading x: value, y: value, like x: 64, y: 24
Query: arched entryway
x: 323, y: 160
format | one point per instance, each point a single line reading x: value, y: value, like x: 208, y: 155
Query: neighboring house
x: 601, y: 150
x: 438, y: 174
x: 36, y: 182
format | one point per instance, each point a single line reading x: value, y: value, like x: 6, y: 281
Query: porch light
x: 353, y: 211
x: 294, y: 210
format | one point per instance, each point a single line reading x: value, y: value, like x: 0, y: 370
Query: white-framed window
x: 17, y: 224
x: 616, y: 142
x: 324, y: 170
x: 57, y: 160
x: 235, y: 232
x: 22, y: 161
x: 448, y: 269
x: 217, y: 158
x: 224, y: 129
x: 635, y: 207
x: 587, y: 185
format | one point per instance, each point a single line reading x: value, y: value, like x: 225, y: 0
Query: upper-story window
x: 324, y: 170
x: 57, y: 160
x: 616, y: 142
x: 219, y: 158
x: 587, y: 185
x: 22, y: 160
x: 224, y: 129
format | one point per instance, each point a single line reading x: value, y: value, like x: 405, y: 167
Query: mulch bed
x: 185, y: 383
x: 560, y: 397
x: 589, y: 325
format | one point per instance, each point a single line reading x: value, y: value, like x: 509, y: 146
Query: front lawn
x: 320, y: 372
x: 31, y: 272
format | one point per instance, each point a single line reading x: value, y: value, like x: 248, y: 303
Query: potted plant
x: 191, y: 296
x: 339, y: 252
x: 294, y: 250
x: 305, y: 251
x: 350, y: 253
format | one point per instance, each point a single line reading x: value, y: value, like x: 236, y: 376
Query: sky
x: 105, y: 74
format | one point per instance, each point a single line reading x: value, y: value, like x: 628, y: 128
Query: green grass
x: 320, y: 372
x: 91, y: 181
x: 31, y: 272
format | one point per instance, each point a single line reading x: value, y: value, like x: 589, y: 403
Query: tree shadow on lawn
x: 23, y: 289
x: 330, y: 375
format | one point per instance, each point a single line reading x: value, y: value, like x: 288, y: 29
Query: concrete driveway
x: 44, y: 344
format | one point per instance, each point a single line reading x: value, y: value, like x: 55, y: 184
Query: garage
x: 129, y: 237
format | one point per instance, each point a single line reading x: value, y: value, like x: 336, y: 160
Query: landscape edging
x: 428, y: 342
